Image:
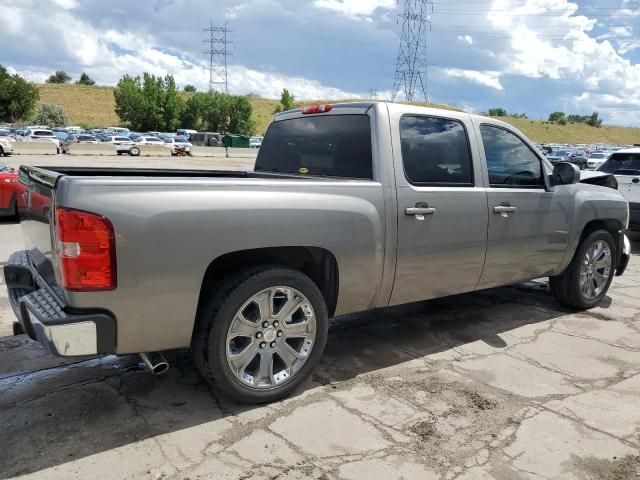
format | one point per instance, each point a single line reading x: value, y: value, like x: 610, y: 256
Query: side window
x: 510, y: 162
x: 435, y: 151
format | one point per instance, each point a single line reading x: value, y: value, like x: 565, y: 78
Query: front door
x: 442, y: 208
x: 528, y: 222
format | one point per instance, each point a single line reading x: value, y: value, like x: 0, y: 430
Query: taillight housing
x: 86, y: 251
x: 310, y: 109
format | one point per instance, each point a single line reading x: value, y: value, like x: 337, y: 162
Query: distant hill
x: 94, y: 107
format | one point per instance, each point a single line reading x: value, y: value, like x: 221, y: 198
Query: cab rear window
x: 326, y: 146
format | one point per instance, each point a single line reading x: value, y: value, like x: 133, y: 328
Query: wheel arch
x: 317, y: 263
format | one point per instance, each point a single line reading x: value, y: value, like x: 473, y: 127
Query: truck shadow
x: 58, y: 413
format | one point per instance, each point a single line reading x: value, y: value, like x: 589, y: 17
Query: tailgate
x: 36, y: 208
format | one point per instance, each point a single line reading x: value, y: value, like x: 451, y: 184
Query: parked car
x: 6, y: 146
x: 143, y: 140
x: 122, y: 144
x: 185, y: 132
x: 255, y: 142
x: 119, y: 131
x: 350, y: 207
x: 560, y: 156
x: 579, y: 158
x: 71, y: 139
x: 41, y: 135
x: 62, y: 135
x: 206, y: 139
x: 11, y: 191
x: 625, y: 165
x: 177, y: 144
x: 148, y: 140
x: 596, y: 159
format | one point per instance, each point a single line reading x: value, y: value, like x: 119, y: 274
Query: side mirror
x: 566, y: 173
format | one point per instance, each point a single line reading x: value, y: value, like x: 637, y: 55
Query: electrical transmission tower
x: 218, y: 53
x: 411, y: 66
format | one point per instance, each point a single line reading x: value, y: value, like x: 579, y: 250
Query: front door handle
x: 420, y: 210
x: 505, y: 210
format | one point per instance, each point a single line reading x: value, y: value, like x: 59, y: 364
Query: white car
x: 596, y: 159
x: 144, y: 140
x: 6, y: 146
x: 148, y: 140
x: 122, y: 144
x: 255, y: 142
x: 41, y: 135
x: 177, y: 144
x: 625, y: 166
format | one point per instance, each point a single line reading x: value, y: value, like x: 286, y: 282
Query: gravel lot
x: 499, y: 384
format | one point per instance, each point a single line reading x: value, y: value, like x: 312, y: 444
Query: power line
x: 218, y: 53
x: 411, y: 64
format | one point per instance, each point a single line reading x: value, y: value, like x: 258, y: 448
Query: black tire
x: 566, y: 286
x: 218, y: 311
x: 1, y: 152
x: 135, y: 151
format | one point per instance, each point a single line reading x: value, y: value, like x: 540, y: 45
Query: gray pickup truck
x: 350, y: 207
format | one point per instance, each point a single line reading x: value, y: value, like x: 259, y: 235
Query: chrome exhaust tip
x: 155, y: 362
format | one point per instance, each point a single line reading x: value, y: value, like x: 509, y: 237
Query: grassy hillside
x: 94, y: 107
x: 545, y: 132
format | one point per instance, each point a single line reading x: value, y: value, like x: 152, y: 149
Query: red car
x: 11, y: 192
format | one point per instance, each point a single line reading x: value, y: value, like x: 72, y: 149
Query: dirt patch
x: 623, y: 468
x: 424, y: 430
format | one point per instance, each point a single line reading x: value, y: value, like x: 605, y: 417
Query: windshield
x: 622, y: 164
x: 562, y: 153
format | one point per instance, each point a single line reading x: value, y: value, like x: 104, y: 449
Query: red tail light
x: 85, y: 245
x: 316, y: 109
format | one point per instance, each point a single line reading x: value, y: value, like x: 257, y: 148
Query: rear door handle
x: 420, y: 210
x: 504, y: 209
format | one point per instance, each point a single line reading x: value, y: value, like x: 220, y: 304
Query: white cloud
x: 66, y: 4
x: 109, y: 54
x: 593, y: 65
x: 466, y: 39
x: 355, y: 8
x: 486, y: 78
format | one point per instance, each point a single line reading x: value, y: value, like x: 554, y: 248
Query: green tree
x: 59, y: 77
x: 17, y: 97
x: 190, y: 88
x: 286, y: 101
x: 562, y: 121
x: 497, y: 112
x: 85, y: 80
x: 219, y: 112
x: 51, y: 115
x: 148, y: 103
x: 594, y: 121
x: 556, y: 116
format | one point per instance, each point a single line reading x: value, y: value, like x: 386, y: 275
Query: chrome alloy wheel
x: 271, y: 337
x: 595, y: 270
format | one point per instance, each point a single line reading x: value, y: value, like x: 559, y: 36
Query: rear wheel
x: 587, y: 279
x: 135, y: 151
x: 261, y: 334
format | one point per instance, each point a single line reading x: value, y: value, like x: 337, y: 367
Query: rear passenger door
x: 442, y: 207
x: 528, y: 220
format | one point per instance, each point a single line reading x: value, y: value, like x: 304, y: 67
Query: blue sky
x: 533, y: 56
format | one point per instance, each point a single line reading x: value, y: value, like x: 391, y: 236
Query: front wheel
x: 587, y: 279
x: 261, y: 333
x: 135, y: 151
